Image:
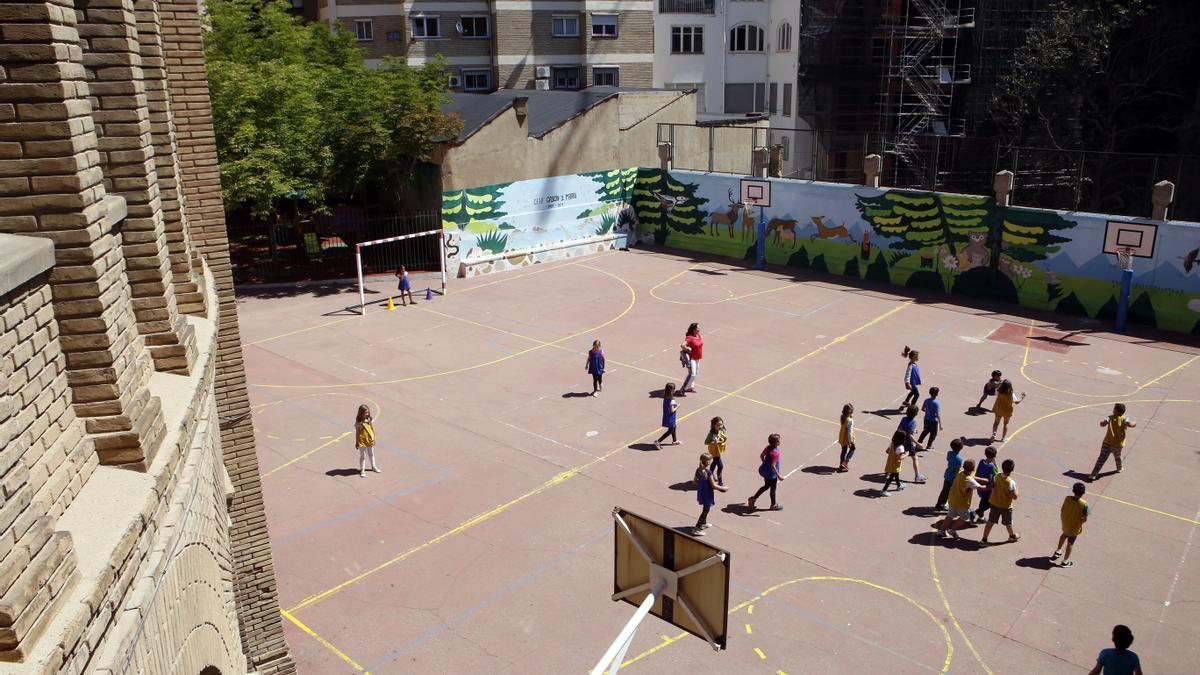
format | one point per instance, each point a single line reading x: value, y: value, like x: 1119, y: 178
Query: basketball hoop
x: 1125, y: 257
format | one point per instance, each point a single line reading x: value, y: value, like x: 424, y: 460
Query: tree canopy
x: 298, y: 115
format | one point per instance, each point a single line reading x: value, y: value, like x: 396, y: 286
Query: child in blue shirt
x: 933, y: 418
x: 595, y: 366
x: 953, y: 463
x: 912, y: 377
x: 908, y: 426
x: 669, y: 407
x: 984, y: 472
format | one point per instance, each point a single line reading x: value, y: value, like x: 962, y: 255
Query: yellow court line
x: 1025, y: 362
x: 732, y: 298
x: 292, y: 461
x: 749, y: 606
x: 324, y: 643
x: 949, y: 612
x: 571, y: 473
x: 748, y: 631
x: 760, y: 653
x: 455, y: 371
x: 301, y: 330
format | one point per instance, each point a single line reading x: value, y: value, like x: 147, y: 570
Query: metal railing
x: 686, y: 6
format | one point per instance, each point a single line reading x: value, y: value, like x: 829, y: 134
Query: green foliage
x: 606, y: 225
x: 460, y: 208
x: 924, y: 220
x: 1027, y: 235
x: 685, y: 215
x: 494, y: 241
x: 297, y: 114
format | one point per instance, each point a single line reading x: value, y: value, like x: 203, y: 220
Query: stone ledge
x: 22, y: 259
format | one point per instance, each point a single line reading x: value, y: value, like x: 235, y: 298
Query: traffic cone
x: 428, y: 293
x: 391, y: 305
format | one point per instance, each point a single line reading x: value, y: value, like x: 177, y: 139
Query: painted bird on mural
x: 1189, y: 260
x: 668, y: 202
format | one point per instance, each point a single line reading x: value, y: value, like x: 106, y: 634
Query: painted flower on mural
x: 950, y: 262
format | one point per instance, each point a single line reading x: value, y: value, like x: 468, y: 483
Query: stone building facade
x: 132, y: 533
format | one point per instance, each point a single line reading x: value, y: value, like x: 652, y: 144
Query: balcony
x: 686, y: 6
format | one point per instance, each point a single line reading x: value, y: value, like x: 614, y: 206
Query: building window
x: 745, y: 98
x: 787, y: 100
x: 363, y: 30
x: 474, y: 27
x: 565, y: 78
x: 426, y: 27
x: 604, y: 25
x: 786, y: 151
x: 477, y: 80
x: 785, y: 37
x: 393, y: 36
x: 605, y: 77
x: 564, y: 26
x: 773, y: 98
x: 687, y: 39
x: 746, y: 38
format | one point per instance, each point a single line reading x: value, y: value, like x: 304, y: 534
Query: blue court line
x: 442, y: 473
x: 473, y: 609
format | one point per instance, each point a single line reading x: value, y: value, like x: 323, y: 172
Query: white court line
x: 568, y: 446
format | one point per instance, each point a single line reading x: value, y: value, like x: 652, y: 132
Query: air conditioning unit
x: 542, y: 85
x: 455, y: 81
x: 543, y: 71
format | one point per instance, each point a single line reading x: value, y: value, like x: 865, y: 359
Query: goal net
x: 421, y: 254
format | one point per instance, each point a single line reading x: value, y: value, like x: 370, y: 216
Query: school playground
x: 485, y: 545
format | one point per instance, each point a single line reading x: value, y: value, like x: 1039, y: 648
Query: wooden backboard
x: 706, y: 590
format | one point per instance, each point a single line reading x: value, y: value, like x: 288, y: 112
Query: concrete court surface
x: 485, y: 545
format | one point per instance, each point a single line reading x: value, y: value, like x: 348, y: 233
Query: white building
x: 742, y: 57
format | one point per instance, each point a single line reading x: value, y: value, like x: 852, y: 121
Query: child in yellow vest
x: 959, y: 500
x: 1074, y: 514
x: 846, y: 437
x: 1114, y: 439
x: 891, y: 470
x: 716, y: 448
x: 1003, y: 408
x: 364, y: 440
x: 1004, y: 493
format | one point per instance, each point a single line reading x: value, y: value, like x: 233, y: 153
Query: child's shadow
x: 740, y: 509
x: 933, y: 538
x: 885, y: 413
x: 976, y: 412
x: 644, y: 447
x: 973, y: 442
x: 873, y: 478
x: 577, y: 394
x: 868, y: 493
x: 341, y: 472
x: 820, y: 470
x: 1040, y: 562
x: 1086, y: 477
x: 920, y: 511
x: 684, y: 486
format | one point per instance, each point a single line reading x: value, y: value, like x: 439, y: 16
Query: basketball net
x: 1125, y: 258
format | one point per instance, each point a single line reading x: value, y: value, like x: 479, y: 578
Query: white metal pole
x: 442, y: 254
x: 621, y: 644
x: 362, y: 296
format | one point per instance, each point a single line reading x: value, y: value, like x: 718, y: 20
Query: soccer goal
x: 378, y: 262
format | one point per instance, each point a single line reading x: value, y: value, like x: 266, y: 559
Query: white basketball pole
x: 362, y: 296
x: 442, y: 258
x: 615, y: 654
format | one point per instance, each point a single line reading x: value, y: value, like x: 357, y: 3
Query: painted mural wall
x: 508, y: 225
x: 947, y: 242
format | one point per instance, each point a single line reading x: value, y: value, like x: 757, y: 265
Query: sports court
x: 486, y: 543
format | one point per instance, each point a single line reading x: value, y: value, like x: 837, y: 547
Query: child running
x: 769, y: 470
x: 846, y: 437
x: 1003, y: 408
x: 1119, y: 660
x: 1074, y: 514
x: 908, y: 425
x: 1114, y: 439
x: 364, y: 440
x: 959, y: 501
x: 716, y: 447
x: 933, y: 418
x: 912, y: 377
x: 595, y: 366
x: 705, y: 485
x: 669, y: 408
x: 1004, y: 493
x: 989, y: 388
x: 891, y: 470
x: 405, y: 287
x: 984, y: 473
x: 954, y: 463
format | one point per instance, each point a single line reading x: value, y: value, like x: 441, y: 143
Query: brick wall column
x: 52, y: 187
x: 113, y: 63
x: 255, y: 591
x: 188, y: 296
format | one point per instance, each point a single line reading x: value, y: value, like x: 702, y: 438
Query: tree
x: 460, y: 208
x: 297, y: 114
x: 665, y: 204
x: 1027, y: 235
x: 926, y: 220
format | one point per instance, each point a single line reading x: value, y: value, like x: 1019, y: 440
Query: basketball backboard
x: 693, y: 576
x: 1126, y: 235
x: 756, y: 192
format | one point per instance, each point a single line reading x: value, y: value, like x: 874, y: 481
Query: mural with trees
x: 615, y: 193
x: 663, y: 203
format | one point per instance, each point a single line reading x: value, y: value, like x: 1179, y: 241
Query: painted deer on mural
x: 826, y: 232
x: 777, y: 226
x: 728, y: 218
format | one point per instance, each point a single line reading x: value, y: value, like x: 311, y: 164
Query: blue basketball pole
x: 760, y: 227
x: 1123, y: 300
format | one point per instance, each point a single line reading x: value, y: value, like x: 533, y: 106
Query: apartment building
x: 742, y: 58
x: 513, y: 44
